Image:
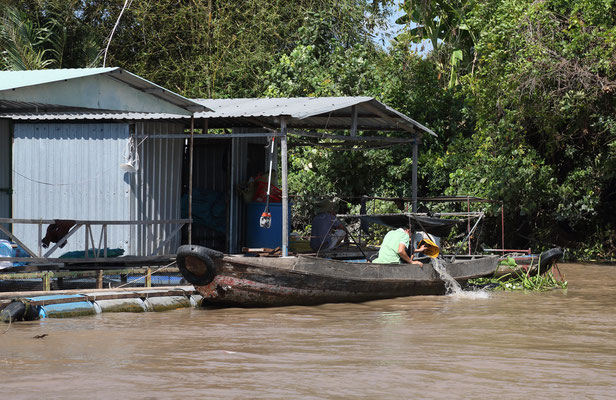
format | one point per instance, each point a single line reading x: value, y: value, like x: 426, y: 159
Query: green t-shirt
x: 388, y: 253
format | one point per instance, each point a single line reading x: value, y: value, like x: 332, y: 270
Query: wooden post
x: 148, y: 277
x: 99, y: 279
x: 285, y: 189
x: 46, y: 282
x: 414, y: 176
x: 190, y: 175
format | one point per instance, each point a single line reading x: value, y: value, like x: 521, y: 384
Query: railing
x: 89, y: 236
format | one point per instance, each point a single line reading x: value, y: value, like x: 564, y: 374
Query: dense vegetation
x: 521, y: 93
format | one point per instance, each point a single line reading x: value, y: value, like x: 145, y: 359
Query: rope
x: 143, y: 277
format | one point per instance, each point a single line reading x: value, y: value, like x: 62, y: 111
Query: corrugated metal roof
x: 86, y: 116
x: 18, y: 79
x: 296, y: 107
x: 302, y: 108
x: 301, y: 113
x: 12, y: 81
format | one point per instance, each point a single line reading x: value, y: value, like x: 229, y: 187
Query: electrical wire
x: 64, y: 184
x: 127, y: 4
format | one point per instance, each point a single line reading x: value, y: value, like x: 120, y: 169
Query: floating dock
x: 15, y: 306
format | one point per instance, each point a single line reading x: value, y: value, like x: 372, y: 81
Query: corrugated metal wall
x: 156, y: 187
x: 70, y: 171
x: 5, y: 172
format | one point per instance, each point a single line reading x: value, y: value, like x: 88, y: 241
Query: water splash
x: 451, y: 285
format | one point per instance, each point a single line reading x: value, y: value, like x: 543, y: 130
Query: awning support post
x: 354, y: 121
x: 285, y: 189
x: 190, y: 175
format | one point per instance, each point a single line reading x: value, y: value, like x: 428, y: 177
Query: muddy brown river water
x: 554, y: 345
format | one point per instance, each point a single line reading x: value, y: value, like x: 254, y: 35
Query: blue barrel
x: 69, y: 309
x: 264, y: 237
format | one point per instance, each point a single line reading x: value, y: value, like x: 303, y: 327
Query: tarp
x: 434, y: 226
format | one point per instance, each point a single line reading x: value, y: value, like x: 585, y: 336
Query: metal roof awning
x: 86, y: 89
x: 330, y: 113
x: 303, y: 113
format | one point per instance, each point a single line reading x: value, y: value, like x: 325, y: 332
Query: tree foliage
x: 543, y: 100
x: 520, y: 93
x: 30, y: 43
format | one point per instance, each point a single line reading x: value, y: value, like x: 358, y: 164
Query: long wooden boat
x: 237, y: 280
x: 516, y: 264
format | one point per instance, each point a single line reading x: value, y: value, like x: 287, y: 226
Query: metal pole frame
x: 414, y: 176
x: 190, y: 175
x: 468, y: 202
x: 503, y: 227
x: 285, y: 188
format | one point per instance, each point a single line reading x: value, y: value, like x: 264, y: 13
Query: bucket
x: 431, y: 250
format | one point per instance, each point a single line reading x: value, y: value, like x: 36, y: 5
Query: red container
x: 261, y: 193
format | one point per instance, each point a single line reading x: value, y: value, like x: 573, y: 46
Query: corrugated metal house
x: 54, y: 168
x: 70, y: 136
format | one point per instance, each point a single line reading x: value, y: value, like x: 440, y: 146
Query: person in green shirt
x: 394, y: 246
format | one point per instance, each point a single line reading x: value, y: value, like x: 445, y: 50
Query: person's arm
x: 405, y: 257
x: 419, y: 250
x: 402, y: 253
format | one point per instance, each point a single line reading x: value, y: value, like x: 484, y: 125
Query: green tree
x: 444, y: 23
x: 27, y: 43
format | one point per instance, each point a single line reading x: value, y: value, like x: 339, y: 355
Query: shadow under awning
x: 434, y: 226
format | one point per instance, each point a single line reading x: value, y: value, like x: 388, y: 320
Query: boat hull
x: 269, y: 282
x: 531, y: 265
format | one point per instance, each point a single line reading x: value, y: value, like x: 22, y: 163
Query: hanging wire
x: 127, y: 4
x: 65, y: 184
